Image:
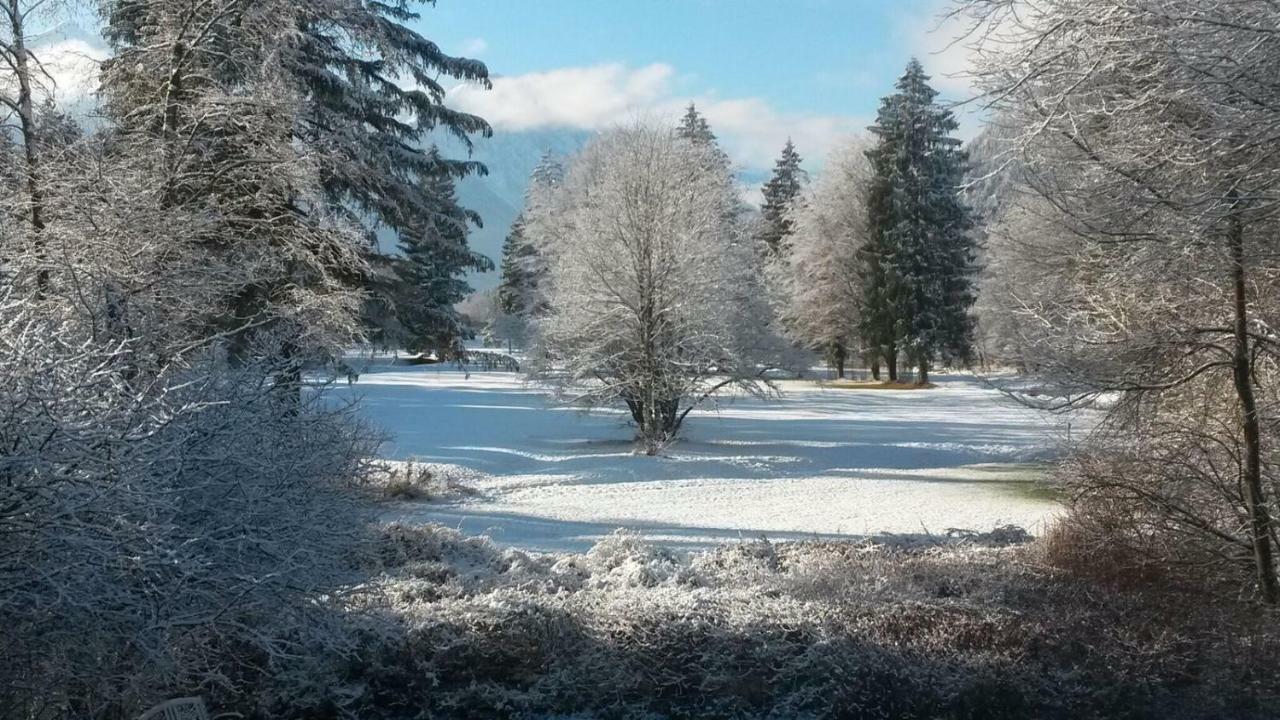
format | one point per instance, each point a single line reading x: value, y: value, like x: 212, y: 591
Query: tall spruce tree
x: 374, y: 98
x: 695, y: 128
x: 513, y: 288
x: 428, y: 285
x: 780, y: 194
x: 524, y: 265
x: 918, y: 266
x: 370, y: 97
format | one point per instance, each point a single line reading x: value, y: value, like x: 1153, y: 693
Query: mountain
x: 499, y: 196
x: 511, y: 158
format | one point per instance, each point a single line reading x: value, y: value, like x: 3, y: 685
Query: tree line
x: 637, y: 274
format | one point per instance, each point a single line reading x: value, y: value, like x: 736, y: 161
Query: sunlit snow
x: 815, y: 461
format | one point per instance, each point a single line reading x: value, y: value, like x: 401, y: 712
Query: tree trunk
x: 838, y: 356
x: 1259, y: 517
x: 891, y: 359
x: 875, y: 368
x: 923, y: 377
x: 27, y: 128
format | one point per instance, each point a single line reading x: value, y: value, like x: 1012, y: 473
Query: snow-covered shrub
x: 162, y: 530
x: 948, y: 629
x: 415, y: 480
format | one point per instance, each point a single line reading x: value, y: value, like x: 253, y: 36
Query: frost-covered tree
x: 26, y: 84
x: 780, y: 193
x: 369, y: 94
x: 168, y: 491
x: 822, y: 273
x: 645, y: 305
x: 918, y: 268
x: 992, y: 191
x: 1147, y: 131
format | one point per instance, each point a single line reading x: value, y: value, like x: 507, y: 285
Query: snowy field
x: 817, y: 461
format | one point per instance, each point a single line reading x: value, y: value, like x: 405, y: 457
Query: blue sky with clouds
x: 762, y: 71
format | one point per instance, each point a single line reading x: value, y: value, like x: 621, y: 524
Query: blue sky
x: 814, y: 69
x: 761, y: 71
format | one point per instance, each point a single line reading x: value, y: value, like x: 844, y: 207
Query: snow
x: 816, y: 462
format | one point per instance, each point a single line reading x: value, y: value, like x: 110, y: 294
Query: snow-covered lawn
x: 817, y: 461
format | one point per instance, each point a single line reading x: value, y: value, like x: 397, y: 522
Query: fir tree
x: 780, y: 194
x: 919, y: 263
x: 524, y: 266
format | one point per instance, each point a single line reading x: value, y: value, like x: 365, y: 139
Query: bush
x: 949, y: 629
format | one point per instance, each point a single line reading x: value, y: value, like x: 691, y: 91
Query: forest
x: 242, y: 358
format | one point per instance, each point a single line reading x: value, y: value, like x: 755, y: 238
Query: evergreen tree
x: 919, y: 263
x: 780, y: 194
x: 524, y: 266
x: 695, y: 128
x: 428, y: 284
x: 514, y: 286
x: 366, y: 126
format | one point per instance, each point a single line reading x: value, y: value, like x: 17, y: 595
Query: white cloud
x: 69, y: 69
x: 473, y: 47
x: 600, y: 96
x: 941, y: 44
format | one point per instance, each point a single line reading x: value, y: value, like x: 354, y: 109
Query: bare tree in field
x: 821, y: 278
x: 1149, y: 130
x: 648, y: 266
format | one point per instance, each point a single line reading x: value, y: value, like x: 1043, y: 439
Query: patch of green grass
x: 1028, y: 480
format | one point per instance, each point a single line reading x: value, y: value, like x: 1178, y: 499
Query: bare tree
x: 821, y: 276
x: 648, y: 269
x: 1148, y: 128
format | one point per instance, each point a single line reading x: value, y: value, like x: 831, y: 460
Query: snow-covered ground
x: 814, y: 462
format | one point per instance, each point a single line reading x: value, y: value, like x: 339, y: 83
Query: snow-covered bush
x: 961, y: 628
x: 164, y: 535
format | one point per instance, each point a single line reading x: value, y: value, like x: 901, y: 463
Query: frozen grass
x: 816, y: 462
x: 457, y: 627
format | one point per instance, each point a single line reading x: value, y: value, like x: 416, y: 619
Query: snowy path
x: 829, y: 462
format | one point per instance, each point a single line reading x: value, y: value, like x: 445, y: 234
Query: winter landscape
x: 815, y: 461
x: 407, y: 359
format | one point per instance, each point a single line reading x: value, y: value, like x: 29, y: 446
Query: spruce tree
x: 428, y: 286
x: 514, y: 286
x: 370, y: 97
x: 780, y: 194
x: 695, y: 128
x: 524, y: 266
x: 918, y: 266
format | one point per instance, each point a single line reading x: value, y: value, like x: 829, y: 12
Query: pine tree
x: 918, y: 266
x: 780, y: 194
x: 524, y: 265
